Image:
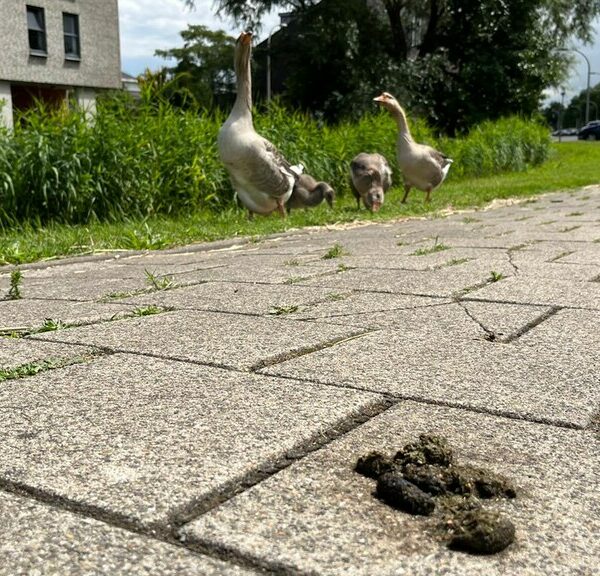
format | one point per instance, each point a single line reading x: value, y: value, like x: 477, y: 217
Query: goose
x: 370, y: 178
x: 307, y: 192
x: 423, y: 167
x: 261, y: 177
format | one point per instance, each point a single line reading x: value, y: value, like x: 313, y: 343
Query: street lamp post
x: 561, y: 115
x: 285, y: 19
x: 589, y: 74
x: 269, y: 61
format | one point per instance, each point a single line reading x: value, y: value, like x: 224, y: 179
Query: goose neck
x: 243, y: 100
x: 402, y: 123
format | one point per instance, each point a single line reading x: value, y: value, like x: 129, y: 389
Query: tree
x: 204, y: 68
x: 455, y: 61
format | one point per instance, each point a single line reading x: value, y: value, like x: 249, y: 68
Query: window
x: 71, y: 32
x: 36, y: 26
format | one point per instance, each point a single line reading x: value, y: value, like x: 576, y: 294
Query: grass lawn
x: 571, y: 165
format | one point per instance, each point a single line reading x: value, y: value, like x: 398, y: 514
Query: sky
x: 148, y: 25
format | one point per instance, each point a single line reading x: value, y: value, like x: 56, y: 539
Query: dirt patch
x: 423, y: 478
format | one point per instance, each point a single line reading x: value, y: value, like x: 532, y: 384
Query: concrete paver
x: 319, y: 516
x: 219, y: 437
x: 15, y: 352
x: 40, y: 539
x: 142, y: 440
x: 207, y: 337
x: 31, y: 314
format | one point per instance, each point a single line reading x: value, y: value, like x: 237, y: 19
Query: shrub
x: 136, y: 160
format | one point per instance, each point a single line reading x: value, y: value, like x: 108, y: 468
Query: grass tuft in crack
x: 33, y: 368
x: 335, y: 251
x: 159, y: 282
x: 281, y: 310
x: 437, y: 247
x: 294, y: 280
x: 14, y: 292
x: 335, y: 297
x: 495, y: 276
x: 50, y: 325
x: 148, y: 310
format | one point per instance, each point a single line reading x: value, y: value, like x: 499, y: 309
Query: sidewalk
x: 203, y: 409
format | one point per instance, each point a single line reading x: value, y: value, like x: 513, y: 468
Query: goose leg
x: 281, y: 208
x: 428, y: 194
x: 250, y: 215
x: 407, y: 188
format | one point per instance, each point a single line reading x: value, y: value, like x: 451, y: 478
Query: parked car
x: 591, y: 131
x: 565, y: 132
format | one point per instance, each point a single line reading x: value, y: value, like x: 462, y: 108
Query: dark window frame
x: 37, y: 34
x: 72, y: 36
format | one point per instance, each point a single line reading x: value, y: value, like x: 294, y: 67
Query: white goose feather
x: 262, y: 178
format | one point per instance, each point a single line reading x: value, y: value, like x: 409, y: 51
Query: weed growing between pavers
x: 280, y: 310
x: 437, y: 247
x: 335, y: 251
x: 423, y: 479
x: 159, y: 283
x: 49, y: 325
x: 495, y: 276
x: 33, y: 368
x: 14, y: 292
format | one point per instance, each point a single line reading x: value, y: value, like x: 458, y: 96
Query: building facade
x: 54, y: 50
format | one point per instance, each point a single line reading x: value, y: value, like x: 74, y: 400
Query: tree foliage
x: 456, y: 62
x: 203, y: 72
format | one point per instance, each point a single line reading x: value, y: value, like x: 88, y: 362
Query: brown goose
x: 422, y: 166
x: 308, y: 192
x: 262, y: 178
x: 370, y: 178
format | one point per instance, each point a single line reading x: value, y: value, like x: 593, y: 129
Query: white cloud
x: 148, y: 25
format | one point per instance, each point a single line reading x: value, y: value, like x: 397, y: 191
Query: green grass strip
x: 571, y: 165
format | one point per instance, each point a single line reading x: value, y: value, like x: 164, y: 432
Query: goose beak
x: 245, y: 38
x: 375, y: 207
x: 380, y: 98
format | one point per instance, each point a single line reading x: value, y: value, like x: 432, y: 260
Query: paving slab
x: 360, y: 308
x: 425, y: 363
x: 541, y: 292
x: 15, y: 352
x: 419, y: 317
x: 31, y: 314
x: 239, y: 297
x: 320, y: 517
x: 38, y: 539
x: 443, y: 282
x: 529, y: 265
x: 504, y: 320
x: 142, y: 441
x: 83, y: 287
x: 207, y: 337
x: 420, y: 257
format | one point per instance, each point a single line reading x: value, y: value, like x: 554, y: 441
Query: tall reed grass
x: 137, y: 160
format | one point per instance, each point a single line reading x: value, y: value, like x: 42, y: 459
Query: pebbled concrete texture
x: 40, y: 539
x: 143, y: 442
x: 16, y: 352
x: 208, y: 337
x: 512, y: 379
x: 219, y: 437
x: 31, y: 314
x: 320, y: 517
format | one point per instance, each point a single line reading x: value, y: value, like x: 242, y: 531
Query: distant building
x: 131, y: 85
x: 55, y: 50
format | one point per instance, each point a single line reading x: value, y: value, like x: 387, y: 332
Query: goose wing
x: 268, y: 170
